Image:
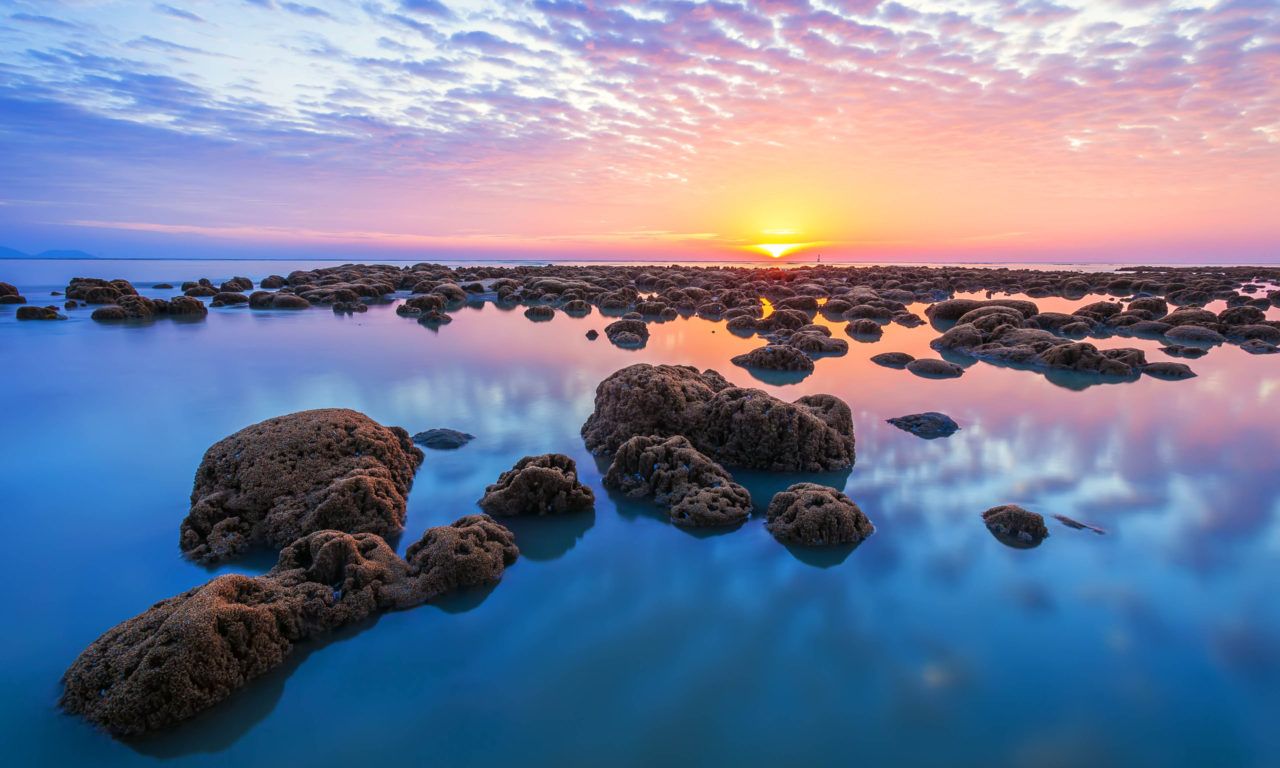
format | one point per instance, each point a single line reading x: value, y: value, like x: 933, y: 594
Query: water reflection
x: 928, y: 635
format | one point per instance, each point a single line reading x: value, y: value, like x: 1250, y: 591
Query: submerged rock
x: 696, y: 491
x: 1015, y: 526
x: 282, y: 478
x: 538, y: 485
x: 734, y: 426
x: 443, y: 439
x: 928, y: 425
x: 816, y: 515
x: 539, y: 313
x: 1259, y: 347
x: 189, y: 652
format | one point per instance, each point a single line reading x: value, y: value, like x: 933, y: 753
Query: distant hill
x: 11, y: 253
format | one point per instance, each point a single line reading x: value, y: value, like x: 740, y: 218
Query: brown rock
x: 283, y: 478
x: 538, y: 485
x: 816, y: 515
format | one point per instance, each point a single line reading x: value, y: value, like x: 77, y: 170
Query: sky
x: 992, y: 130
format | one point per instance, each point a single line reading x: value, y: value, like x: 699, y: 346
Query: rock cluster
x: 189, y: 652
x: 697, y: 492
x: 280, y: 479
x: 732, y: 425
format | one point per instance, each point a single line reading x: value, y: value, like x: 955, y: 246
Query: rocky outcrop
x: 1016, y: 526
x: 696, y: 491
x: 733, y: 426
x: 285, y: 477
x: 189, y: 652
x: 816, y: 515
x: 538, y: 485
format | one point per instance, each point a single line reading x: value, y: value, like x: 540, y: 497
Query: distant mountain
x: 64, y: 255
x: 11, y: 253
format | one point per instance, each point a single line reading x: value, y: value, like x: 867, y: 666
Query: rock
x: 201, y: 290
x: 288, y: 301
x: 236, y: 285
x: 928, y: 425
x: 1015, y: 526
x: 697, y: 492
x: 443, y: 439
x: 8, y: 289
x: 931, y: 368
x: 775, y: 357
x: 593, y: 334
x: 1178, y: 350
x: 817, y: 343
x: 897, y: 360
x: 227, y: 299
x: 32, y: 312
x: 1259, y: 347
x: 816, y: 515
x: 280, y: 479
x: 185, y: 306
x: 627, y: 333
x: 1085, y: 357
x: 538, y: 485
x: 1195, y: 334
x: 864, y: 329
x: 108, y: 314
x: 189, y: 652
x: 1167, y: 370
x: 273, y: 282
x: 731, y: 425
x: 539, y: 313
x: 93, y: 290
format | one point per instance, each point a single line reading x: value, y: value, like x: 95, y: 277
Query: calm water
x: 620, y: 640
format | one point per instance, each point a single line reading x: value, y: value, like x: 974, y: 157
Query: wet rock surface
x: 189, y: 652
x: 696, y: 491
x: 732, y: 425
x: 280, y: 479
x: 538, y: 485
x: 930, y: 368
x: 816, y: 515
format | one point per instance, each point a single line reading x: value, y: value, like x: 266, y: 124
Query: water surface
x: 620, y: 640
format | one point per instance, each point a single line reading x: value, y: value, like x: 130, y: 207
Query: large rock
x: 1016, y: 526
x: 283, y: 478
x: 189, y: 652
x: 733, y: 426
x: 816, y: 515
x: 696, y: 491
x: 538, y: 485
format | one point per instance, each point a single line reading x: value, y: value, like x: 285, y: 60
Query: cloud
x: 177, y: 13
x: 987, y: 116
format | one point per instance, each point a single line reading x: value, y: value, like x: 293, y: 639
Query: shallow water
x: 620, y: 640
